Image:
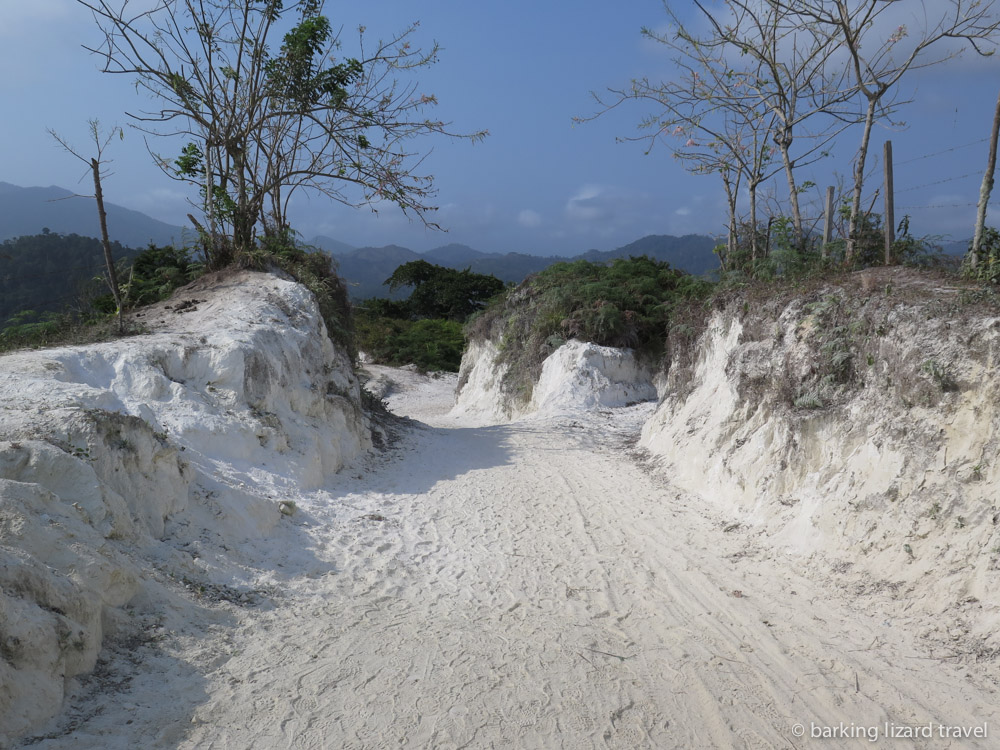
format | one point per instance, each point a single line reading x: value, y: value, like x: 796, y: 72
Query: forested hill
x: 50, y: 272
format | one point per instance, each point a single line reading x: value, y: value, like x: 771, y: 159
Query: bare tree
x: 267, y: 116
x: 96, y: 164
x: 792, y: 75
x: 711, y: 118
x: 879, y: 58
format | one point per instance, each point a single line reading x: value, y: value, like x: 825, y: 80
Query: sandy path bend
x: 528, y: 586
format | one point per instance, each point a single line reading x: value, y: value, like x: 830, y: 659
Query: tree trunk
x: 793, y: 194
x: 109, y: 261
x: 985, y: 190
x: 859, y: 182
x: 753, y: 225
x: 731, y: 234
x: 244, y: 223
x: 210, y: 241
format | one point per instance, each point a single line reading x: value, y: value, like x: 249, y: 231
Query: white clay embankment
x: 533, y: 583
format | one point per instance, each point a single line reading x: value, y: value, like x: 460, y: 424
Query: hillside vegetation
x: 49, y: 271
x: 425, y: 329
x: 627, y: 303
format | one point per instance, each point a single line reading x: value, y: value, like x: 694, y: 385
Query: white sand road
x: 527, y: 585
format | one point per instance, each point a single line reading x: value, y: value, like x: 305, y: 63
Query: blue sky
x: 522, y: 70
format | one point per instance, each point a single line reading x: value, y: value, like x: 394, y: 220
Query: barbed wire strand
x: 939, y: 153
x: 936, y: 182
x: 946, y: 205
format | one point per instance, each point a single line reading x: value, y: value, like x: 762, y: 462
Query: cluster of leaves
x: 987, y: 262
x: 426, y: 328
x: 151, y: 276
x: 430, y: 344
x: 627, y: 303
x: 157, y: 271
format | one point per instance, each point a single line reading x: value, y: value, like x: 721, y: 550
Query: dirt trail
x: 530, y: 585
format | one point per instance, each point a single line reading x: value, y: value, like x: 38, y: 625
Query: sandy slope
x: 524, y: 585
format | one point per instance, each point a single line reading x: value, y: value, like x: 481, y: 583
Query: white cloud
x: 529, y: 219
x: 683, y: 211
x: 590, y: 203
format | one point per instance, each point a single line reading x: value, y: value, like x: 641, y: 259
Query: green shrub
x: 151, y: 276
x: 781, y: 255
x: 156, y: 272
x: 987, y: 266
x: 373, y: 333
x: 393, y: 339
x: 31, y: 329
x: 429, y: 344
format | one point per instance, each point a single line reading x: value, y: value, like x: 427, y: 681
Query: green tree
x: 267, y: 115
x: 440, y: 292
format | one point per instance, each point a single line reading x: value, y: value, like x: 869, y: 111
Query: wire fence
x: 966, y: 184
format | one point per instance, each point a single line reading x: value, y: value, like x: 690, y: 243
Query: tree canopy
x: 440, y: 292
x: 269, y: 106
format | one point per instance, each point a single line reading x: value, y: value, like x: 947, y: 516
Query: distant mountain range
x: 366, y: 268
x: 27, y: 211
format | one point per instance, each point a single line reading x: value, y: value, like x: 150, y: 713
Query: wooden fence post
x: 828, y: 223
x: 890, y: 220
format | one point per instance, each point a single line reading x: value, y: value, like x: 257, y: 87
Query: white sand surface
x: 525, y: 585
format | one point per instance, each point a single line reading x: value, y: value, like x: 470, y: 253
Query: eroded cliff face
x: 576, y: 376
x: 859, y: 423
x: 114, y: 456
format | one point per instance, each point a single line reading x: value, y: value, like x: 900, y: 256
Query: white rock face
x: 479, y: 378
x: 578, y: 376
x: 582, y: 376
x: 189, y: 430
x: 897, y: 477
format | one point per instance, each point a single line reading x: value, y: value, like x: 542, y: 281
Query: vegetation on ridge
x: 627, y: 303
x: 426, y: 328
